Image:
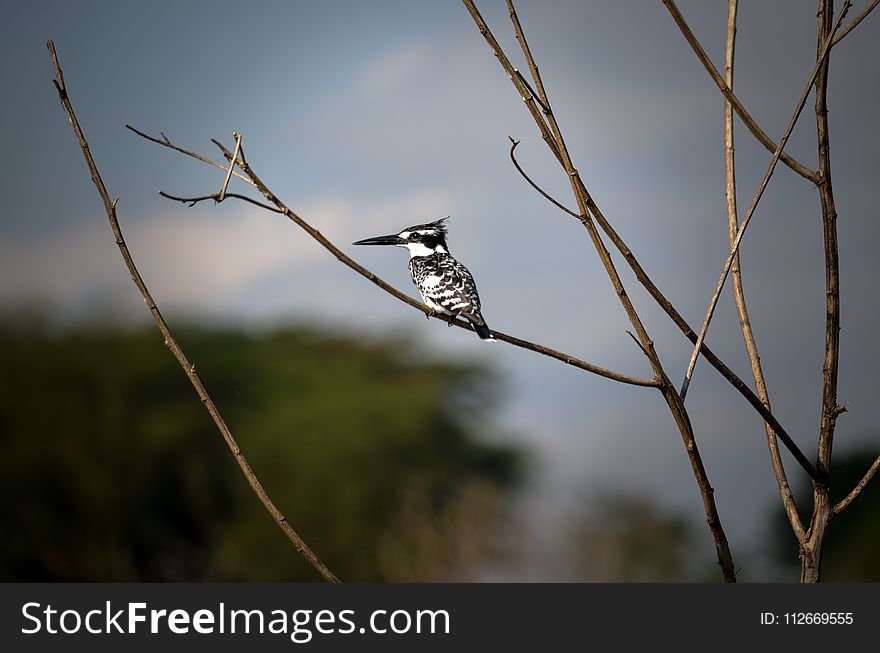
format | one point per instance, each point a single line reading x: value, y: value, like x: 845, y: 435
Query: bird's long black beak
x: 381, y: 240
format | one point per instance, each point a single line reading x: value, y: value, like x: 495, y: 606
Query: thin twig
x: 170, y: 342
x: 857, y: 491
x: 222, y: 192
x: 636, y: 340
x: 192, y: 201
x: 545, y: 195
x: 739, y: 296
x: 364, y: 272
x: 525, y: 83
x: 734, y: 248
x: 167, y: 143
x: 855, y: 21
x: 759, y: 133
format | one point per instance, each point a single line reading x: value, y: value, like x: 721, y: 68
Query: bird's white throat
x: 420, y: 249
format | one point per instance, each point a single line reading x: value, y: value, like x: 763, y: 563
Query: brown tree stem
x: 738, y: 290
x: 171, y: 343
x: 811, y: 548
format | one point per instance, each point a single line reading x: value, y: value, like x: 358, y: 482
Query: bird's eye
x: 415, y: 236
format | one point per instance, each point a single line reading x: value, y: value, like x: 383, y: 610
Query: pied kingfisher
x: 445, y: 285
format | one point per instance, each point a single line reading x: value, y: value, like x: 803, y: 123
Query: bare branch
x: 636, y: 340
x: 759, y: 133
x: 192, y: 201
x: 167, y: 143
x: 364, y: 272
x: 855, y: 21
x: 170, y: 342
x: 757, y: 198
x: 738, y: 291
x: 857, y: 491
x: 222, y: 192
x: 546, y: 196
x: 811, y: 550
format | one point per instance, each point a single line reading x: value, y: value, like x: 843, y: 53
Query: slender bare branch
x: 170, y: 342
x: 811, y: 548
x: 282, y: 208
x: 192, y: 201
x: 848, y: 500
x: 855, y: 21
x: 830, y: 408
x: 167, y: 143
x: 759, y: 133
x: 222, y: 192
x: 734, y: 248
x: 673, y: 401
x: 636, y: 340
x: 739, y: 296
x: 545, y: 195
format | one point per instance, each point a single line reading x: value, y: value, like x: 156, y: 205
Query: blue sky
x: 368, y: 117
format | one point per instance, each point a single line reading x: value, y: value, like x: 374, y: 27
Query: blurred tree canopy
x: 852, y: 540
x: 630, y: 538
x: 114, y: 471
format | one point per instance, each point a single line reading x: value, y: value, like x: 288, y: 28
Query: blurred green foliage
x: 849, y: 553
x: 114, y: 471
x: 625, y: 538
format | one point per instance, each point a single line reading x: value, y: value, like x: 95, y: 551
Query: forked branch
x: 171, y: 343
x: 669, y: 309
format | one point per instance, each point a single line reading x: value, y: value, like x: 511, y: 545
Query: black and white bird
x: 445, y: 285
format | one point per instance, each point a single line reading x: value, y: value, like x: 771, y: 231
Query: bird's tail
x: 481, y: 327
